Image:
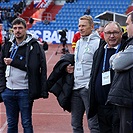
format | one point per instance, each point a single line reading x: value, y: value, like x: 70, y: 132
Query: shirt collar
x: 112, y: 47
x: 85, y: 38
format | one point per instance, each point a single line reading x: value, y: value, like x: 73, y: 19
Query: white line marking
x: 3, y: 127
x: 50, y: 57
x: 58, y: 114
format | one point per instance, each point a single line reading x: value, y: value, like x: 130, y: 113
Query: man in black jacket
x: 22, y: 76
x: 101, y: 78
x: 121, y: 92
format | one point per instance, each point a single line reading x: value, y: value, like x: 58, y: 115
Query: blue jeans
x: 80, y: 104
x: 18, y: 101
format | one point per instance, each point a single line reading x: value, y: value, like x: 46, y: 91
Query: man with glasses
x: 101, y: 79
x: 121, y: 92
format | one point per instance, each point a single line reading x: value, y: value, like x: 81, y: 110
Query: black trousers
x: 126, y: 119
x: 108, y: 119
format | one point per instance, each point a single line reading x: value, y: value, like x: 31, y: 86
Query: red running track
x: 48, y: 116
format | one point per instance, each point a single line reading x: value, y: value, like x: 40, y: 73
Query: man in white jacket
x: 84, y: 51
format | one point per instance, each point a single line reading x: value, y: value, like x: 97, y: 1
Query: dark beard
x: 20, y: 37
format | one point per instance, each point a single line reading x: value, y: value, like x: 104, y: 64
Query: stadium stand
x: 68, y: 15
x: 10, y: 9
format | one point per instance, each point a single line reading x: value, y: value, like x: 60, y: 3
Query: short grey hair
x: 118, y: 25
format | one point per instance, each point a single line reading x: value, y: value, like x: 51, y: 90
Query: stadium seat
x: 70, y: 12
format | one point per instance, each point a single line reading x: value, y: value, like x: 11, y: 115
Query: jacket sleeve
x: 122, y: 60
x: 19, y: 63
x: 44, y: 92
x: 2, y: 72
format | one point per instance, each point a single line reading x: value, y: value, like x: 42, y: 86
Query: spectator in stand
x: 100, y: 31
x: 21, y: 7
x: 15, y: 7
x: 76, y: 37
x: 3, y: 15
x: 88, y: 11
x: 12, y: 12
x: 46, y: 21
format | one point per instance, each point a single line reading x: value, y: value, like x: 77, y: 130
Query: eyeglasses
x: 116, y: 33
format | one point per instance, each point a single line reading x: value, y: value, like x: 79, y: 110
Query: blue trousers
x: 80, y: 104
x: 18, y: 101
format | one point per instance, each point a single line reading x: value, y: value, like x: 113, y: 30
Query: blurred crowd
x: 7, y: 15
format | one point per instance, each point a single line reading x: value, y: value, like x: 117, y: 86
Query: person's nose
x: 112, y: 35
x: 80, y: 28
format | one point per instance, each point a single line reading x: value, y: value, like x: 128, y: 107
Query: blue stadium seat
x: 69, y: 14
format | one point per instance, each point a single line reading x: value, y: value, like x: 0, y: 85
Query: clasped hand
x: 7, y: 61
x: 70, y: 68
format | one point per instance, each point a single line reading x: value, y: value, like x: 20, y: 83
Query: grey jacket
x: 84, y: 51
x: 121, y: 91
x: 122, y: 60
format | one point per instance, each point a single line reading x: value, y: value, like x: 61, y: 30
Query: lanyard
x: 105, y: 54
x: 77, y: 54
x: 14, y: 50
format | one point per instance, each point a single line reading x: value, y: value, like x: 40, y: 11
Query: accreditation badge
x: 106, y: 78
x: 79, y: 70
x: 8, y: 70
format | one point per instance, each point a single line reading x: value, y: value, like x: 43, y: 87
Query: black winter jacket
x: 95, y: 67
x: 60, y: 83
x: 35, y: 67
